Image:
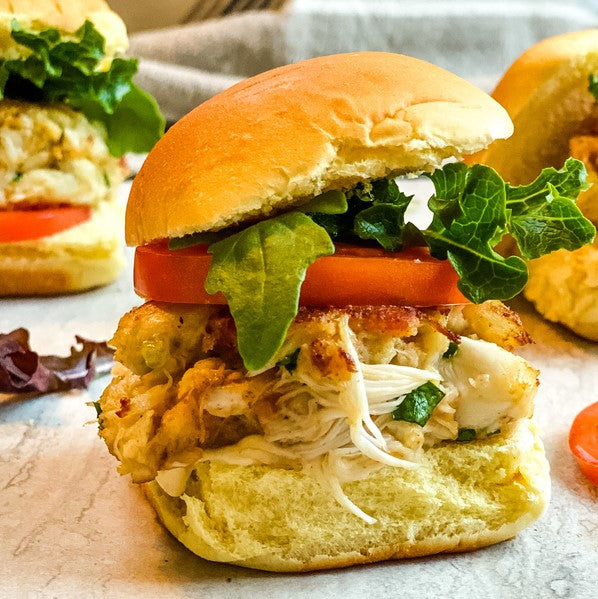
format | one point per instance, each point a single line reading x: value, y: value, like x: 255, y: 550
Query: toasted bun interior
x: 281, y: 137
x: 65, y: 15
x: 463, y: 496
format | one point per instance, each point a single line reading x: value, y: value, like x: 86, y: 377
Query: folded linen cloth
x: 183, y: 66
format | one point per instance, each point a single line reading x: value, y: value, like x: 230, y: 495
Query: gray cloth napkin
x: 185, y: 65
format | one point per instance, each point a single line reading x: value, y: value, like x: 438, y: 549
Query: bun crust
x: 283, y: 136
x: 463, y: 496
x: 65, y: 15
x: 86, y: 256
x: 545, y: 92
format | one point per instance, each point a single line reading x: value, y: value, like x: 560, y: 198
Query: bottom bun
x: 563, y: 286
x: 463, y: 496
x: 82, y: 257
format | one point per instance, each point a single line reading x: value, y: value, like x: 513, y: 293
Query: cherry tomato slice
x: 583, y: 441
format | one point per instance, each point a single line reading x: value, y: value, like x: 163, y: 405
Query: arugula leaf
x: 374, y: 212
x: 417, y: 406
x: 333, y: 201
x: 69, y: 70
x: 385, y: 220
x: 260, y: 270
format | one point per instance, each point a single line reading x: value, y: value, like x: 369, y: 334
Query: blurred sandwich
x: 68, y: 113
x: 309, y: 384
x: 551, y: 94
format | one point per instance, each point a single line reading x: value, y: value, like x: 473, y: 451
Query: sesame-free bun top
x: 64, y: 15
x: 279, y: 138
x: 545, y: 92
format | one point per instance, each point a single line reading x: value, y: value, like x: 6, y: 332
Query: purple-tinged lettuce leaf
x: 24, y: 371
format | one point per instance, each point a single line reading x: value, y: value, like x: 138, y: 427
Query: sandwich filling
x: 350, y: 391
x: 52, y: 156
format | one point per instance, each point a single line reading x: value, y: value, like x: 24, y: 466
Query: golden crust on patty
x: 180, y: 388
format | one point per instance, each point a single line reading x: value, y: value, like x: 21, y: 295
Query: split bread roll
x: 460, y: 498
x: 545, y: 91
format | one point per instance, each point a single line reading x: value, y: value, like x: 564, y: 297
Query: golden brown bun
x: 280, y: 137
x: 546, y: 94
x: 83, y: 257
x: 65, y: 15
x: 463, y: 496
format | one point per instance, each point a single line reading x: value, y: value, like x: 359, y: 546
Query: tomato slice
x: 24, y: 225
x: 352, y: 276
x: 583, y: 441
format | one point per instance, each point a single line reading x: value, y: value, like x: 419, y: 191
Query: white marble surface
x: 70, y: 526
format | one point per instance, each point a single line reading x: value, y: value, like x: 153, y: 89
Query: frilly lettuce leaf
x: 69, y: 70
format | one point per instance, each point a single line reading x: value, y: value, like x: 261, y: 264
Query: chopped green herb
x: 98, y: 408
x: 17, y: 177
x: 466, y: 434
x: 419, y: 404
x: 451, y: 351
x: 593, y: 85
x: 290, y: 361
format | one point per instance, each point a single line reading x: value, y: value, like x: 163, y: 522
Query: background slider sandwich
x: 551, y: 93
x: 68, y: 111
x: 308, y: 386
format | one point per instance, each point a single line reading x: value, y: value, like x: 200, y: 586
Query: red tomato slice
x: 24, y: 225
x: 583, y: 441
x: 352, y: 276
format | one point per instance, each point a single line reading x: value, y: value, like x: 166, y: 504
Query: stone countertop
x: 70, y: 526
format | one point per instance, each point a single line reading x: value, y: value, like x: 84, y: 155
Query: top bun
x: 545, y: 92
x: 64, y: 15
x: 276, y: 139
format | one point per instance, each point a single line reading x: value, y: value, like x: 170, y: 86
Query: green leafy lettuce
x: 419, y: 404
x: 260, y: 268
x: 69, y: 70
